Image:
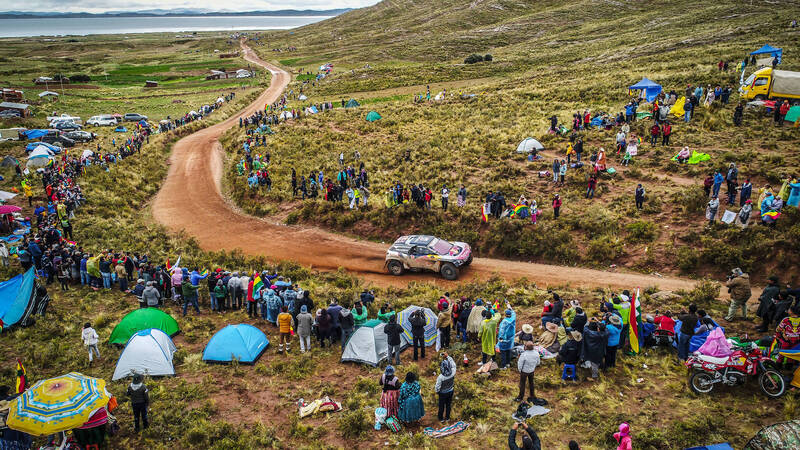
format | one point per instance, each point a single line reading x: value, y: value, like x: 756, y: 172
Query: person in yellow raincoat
x: 26, y: 188
x: 488, y: 335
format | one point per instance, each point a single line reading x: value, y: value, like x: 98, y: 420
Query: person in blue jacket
x: 505, y: 336
x: 194, y: 279
x: 718, y: 179
x: 614, y: 327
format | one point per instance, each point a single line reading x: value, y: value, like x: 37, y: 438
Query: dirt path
x: 191, y: 200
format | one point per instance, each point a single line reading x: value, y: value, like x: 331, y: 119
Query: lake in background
x: 82, y: 26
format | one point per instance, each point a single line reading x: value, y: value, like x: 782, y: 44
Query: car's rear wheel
x: 449, y: 271
x: 395, y: 267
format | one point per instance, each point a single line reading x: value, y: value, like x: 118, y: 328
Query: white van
x: 103, y: 120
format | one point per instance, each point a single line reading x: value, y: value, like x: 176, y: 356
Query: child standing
x: 285, y: 325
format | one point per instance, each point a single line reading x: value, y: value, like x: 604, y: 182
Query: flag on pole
x: 22, y: 381
x: 258, y: 283
x: 634, y: 322
x: 487, y: 208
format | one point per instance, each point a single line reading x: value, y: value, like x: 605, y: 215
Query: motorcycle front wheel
x: 772, y: 383
x: 701, y: 382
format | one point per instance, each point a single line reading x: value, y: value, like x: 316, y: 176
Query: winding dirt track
x: 191, y: 200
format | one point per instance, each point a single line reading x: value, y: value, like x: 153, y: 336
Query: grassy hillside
x: 548, y: 58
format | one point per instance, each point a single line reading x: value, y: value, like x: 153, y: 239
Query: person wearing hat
x: 569, y: 313
x: 556, y: 205
x: 505, y: 336
x: 304, y: 322
x: 140, y: 400
x: 390, y: 385
x: 526, y: 364
x: 138, y: 290
x: 475, y: 319
x: 218, y: 299
x: 767, y: 303
x: 595, y: 338
x: 614, y: 327
x: 443, y: 322
x: 739, y: 288
x: 285, y: 325
x: 526, y: 334
x: 570, y: 352
x: 743, y: 217
x: 445, y: 385
x: 488, y: 335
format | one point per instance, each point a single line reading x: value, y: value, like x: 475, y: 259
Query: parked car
x: 79, y: 136
x: 9, y: 114
x: 105, y: 120
x: 133, y: 117
x: 66, y: 126
x: 423, y: 252
x: 57, y: 138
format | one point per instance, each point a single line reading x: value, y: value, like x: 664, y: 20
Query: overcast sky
x: 98, y: 6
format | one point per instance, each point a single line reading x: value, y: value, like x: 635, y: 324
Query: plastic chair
x: 569, y: 372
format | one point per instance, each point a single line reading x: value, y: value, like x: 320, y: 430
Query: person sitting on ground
x: 684, y: 155
x: 525, y: 335
x: 665, y: 322
x: 547, y: 309
x: 648, y: 328
x: 529, y: 442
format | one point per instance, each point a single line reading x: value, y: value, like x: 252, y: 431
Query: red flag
x: 22, y: 381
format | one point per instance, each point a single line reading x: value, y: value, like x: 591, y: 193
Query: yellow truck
x: 769, y: 83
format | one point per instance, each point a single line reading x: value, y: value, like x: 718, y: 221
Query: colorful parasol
x: 57, y: 404
x: 430, y: 325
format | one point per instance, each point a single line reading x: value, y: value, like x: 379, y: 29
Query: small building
x: 243, y: 73
x: 48, y: 80
x: 229, y: 55
x: 150, y: 84
x: 21, y: 108
x: 11, y: 95
x: 217, y: 75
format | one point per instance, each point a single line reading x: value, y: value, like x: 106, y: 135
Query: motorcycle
x: 733, y: 370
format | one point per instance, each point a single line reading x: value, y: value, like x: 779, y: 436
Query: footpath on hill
x: 191, y: 200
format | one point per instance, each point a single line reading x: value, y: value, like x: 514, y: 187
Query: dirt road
x: 191, y: 200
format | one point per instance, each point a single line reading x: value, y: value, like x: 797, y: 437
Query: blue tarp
x: 724, y: 446
x: 15, y: 297
x: 32, y: 146
x: 120, y: 129
x: 34, y: 134
x: 769, y: 50
x: 651, y: 89
x: 243, y: 342
x: 697, y: 340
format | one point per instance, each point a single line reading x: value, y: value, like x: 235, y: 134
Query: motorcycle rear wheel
x: 772, y: 383
x: 701, y: 382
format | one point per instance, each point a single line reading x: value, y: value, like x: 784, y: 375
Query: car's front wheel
x: 395, y: 267
x: 449, y: 271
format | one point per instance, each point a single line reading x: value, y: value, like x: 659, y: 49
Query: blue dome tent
x: 649, y: 88
x: 770, y: 50
x: 242, y: 342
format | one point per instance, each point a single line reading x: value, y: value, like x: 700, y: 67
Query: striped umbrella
x: 430, y: 325
x: 57, y: 404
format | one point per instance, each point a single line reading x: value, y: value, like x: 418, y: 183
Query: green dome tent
x: 373, y: 116
x: 142, y: 319
x: 352, y: 103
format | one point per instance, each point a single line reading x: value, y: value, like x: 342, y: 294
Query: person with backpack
x: 140, y: 401
x: 393, y: 331
x: 418, y: 322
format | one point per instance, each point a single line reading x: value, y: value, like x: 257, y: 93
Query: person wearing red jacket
x: 655, y: 130
x: 556, y: 205
x: 784, y: 109
x: 587, y: 118
x: 666, y: 131
x: 592, y: 184
x: 665, y: 322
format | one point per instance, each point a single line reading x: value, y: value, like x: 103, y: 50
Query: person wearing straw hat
x: 526, y: 334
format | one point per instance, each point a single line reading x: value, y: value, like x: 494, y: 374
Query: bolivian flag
x: 22, y: 381
x: 634, y: 322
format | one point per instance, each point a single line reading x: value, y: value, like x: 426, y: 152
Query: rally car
x: 423, y: 252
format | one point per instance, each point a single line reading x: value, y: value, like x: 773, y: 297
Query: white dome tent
x: 148, y: 352
x: 529, y: 145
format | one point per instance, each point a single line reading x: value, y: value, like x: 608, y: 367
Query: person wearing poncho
x: 411, y: 408
x: 274, y: 304
x: 505, y: 336
x: 488, y: 335
x: 475, y: 319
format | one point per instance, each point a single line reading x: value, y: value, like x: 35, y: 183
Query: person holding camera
x: 595, y: 340
x: 739, y: 288
x: 529, y: 442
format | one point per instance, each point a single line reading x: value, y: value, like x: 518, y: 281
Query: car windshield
x: 749, y: 80
x: 441, y: 247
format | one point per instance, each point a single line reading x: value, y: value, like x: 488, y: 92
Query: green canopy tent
x: 373, y: 116
x: 793, y: 114
x: 142, y: 319
x: 352, y: 103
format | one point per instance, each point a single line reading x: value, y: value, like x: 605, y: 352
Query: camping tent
x: 649, y: 89
x: 302, y: 97
x: 373, y: 116
x: 142, y: 319
x: 286, y: 115
x: 9, y: 161
x: 311, y: 110
x: 34, y: 134
x: 439, y: 96
x: 39, y: 157
x: 53, y: 148
x: 352, y: 103
x: 46, y: 93
x: 87, y: 153
x: 368, y: 345
x: 220, y: 100
x: 20, y: 297
x: 793, y: 114
x: 242, y: 342
x: 430, y: 325
x: 779, y: 436
x: 769, y: 50
x: 529, y: 145
x: 149, y: 352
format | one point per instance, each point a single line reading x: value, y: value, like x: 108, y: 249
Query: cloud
x: 99, y: 6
